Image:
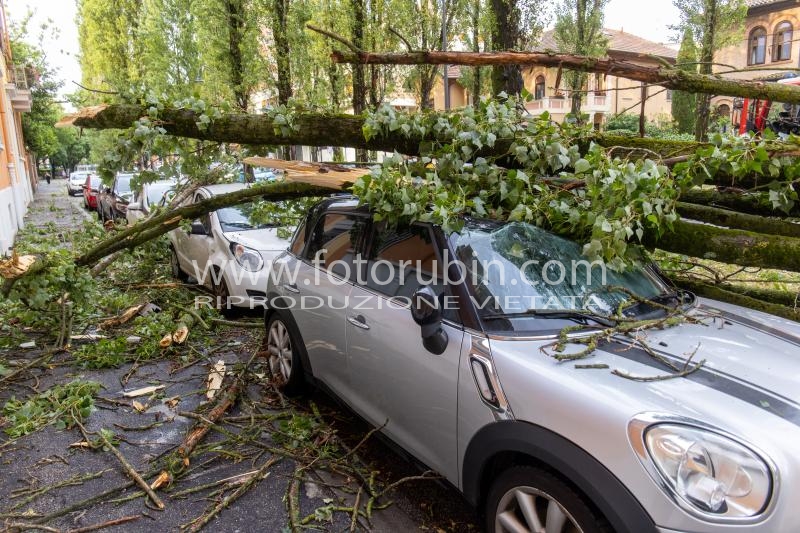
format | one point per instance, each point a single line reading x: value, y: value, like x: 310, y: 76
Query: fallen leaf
x: 142, y: 392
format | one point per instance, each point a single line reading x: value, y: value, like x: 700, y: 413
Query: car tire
x: 286, y: 351
x: 526, y: 498
x: 175, y: 266
x: 222, y: 297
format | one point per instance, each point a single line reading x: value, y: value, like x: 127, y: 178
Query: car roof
x: 161, y: 182
x: 224, y: 188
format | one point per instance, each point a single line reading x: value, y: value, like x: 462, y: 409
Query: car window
x: 155, y: 191
x: 123, y: 185
x: 299, y: 241
x: 205, y: 219
x: 334, y: 243
x: 403, y: 260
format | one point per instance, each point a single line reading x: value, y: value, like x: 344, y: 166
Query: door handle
x: 291, y: 287
x: 358, y: 321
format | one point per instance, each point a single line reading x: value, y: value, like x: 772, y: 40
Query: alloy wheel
x: 279, y: 346
x: 529, y: 510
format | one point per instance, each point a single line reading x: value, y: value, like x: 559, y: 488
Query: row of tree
x: 247, y: 52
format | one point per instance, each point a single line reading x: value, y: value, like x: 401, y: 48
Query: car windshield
x: 519, y: 269
x: 237, y: 218
x: 155, y: 191
x: 124, y: 184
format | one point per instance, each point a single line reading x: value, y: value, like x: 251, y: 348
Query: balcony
x: 593, y: 103
x: 18, y: 89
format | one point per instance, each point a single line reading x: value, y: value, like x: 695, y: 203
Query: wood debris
x: 16, y: 266
x: 143, y: 391
x: 214, y: 379
x: 322, y: 174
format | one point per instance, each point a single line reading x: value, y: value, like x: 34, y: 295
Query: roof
x: 619, y: 41
x: 760, y: 3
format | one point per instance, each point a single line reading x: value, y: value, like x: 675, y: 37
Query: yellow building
x: 16, y: 172
x: 605, y: 95
x: 768, y: 49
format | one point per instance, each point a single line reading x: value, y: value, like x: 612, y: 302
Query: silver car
x: 440, y: 340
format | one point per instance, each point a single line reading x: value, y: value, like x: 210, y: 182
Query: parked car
x: 91, y: 189
x: 225, y: 252
x: 146, y: 198
x: 473, y: 390
x: 112, y: 202
x: 76, y: 181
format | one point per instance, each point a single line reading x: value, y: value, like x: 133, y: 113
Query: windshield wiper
x: 583, y: 316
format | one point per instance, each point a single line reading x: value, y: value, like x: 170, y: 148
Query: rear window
x: 123, y: 184
x: 155, y: 192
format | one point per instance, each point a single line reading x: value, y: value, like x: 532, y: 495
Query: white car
x: 76, y: 182
x: 149, y: 196
x: 226, y: 253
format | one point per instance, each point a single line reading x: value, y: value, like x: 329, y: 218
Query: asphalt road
x: 48, y: 457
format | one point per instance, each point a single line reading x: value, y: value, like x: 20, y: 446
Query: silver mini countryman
x: 493, y: 356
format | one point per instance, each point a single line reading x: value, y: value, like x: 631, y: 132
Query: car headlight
x: 712, y: 473
x: 247, y: 257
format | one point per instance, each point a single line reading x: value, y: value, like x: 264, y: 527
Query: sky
x: 645, y: 18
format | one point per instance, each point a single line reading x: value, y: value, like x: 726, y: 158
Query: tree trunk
x: 706, y: 64
x: 734, y: 296
x: 280, y: 30
x: 506, y: 77
x: 235, y: 15
x: 359, y: 78
x: 664, y: 76
x: 737, y: 247
x: 754, y: 204
x: 732, y: 219
x: 165, y: 222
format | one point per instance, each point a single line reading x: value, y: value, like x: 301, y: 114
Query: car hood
x: 751, y: 363
x: 263, y: 240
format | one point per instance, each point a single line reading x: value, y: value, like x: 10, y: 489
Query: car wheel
x: 222, y: 297
x: 175, y: 265
x: 286, y: 350
x: 525, y: 498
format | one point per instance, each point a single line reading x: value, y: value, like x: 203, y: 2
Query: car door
x: 321, y: 288
x: 396, y: 381
x: 197, y: 249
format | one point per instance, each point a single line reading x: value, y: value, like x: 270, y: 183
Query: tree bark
x: 506, y: 77
x: 732, y: 219
x: 733, y: 296
x: 736, y: 247
x: 706, y: 64
x: 165, y: 222
x: 750, y: 203
x: 235, y: 16
x: 280, y: 32
x: 665, y: 76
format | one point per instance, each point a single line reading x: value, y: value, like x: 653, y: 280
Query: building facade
x: 767, y: 50
x: 17, y: 173
x: 605, y: 95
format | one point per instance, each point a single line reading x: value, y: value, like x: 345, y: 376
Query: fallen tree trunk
x: 737, y: 247
x: 665, y: 76
x: 729, y: 296
x: 751, y: 203
x: 732, y: 219
x: 169, y: 220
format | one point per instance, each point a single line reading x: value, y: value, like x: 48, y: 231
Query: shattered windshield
x: 518, y: 268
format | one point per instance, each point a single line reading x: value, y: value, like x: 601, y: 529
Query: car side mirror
x: 198, y: 228
x: 134, y: 206
x: 426, y: 310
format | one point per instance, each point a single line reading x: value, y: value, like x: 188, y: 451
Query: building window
x: 539, y: 88
x: 757, y: 54
x: 724, y: 111
x: 782, y: 42
x: 599, y: 89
